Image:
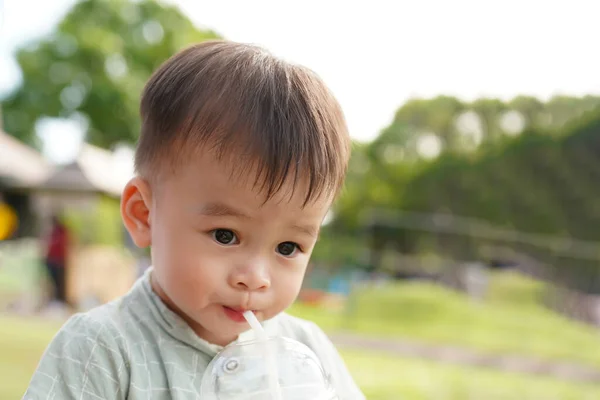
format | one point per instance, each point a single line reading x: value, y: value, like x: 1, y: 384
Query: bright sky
x: 376, y: 54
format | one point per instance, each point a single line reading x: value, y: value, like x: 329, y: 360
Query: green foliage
x: 94, y: 67
x: 535, y: 182
x: 340, y: 250
x: 541, y: 182
x: 100, y: 226
x: 485, y: 121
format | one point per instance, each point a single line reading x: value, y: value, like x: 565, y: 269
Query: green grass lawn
x: 380, y: 376
x: 511, y: 320
x: 22, y: 343
x: 383, y: 377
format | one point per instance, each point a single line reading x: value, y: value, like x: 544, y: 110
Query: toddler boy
x: 239, y: 159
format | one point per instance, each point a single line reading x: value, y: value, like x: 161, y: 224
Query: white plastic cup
x: 241, y: 372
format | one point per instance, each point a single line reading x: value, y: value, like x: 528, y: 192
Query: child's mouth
x: 235, y: 314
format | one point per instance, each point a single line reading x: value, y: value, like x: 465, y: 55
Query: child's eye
x: 224, y: 236
x: 287, y: 249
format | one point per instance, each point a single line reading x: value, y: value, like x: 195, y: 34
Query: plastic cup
x: 244, y: 371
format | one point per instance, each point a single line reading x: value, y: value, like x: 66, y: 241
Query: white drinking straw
x: 271, y: 365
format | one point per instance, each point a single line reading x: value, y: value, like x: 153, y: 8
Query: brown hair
x: 244, y: 103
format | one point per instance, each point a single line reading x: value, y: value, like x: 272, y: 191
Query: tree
x: 530, y: 108
x: 490, y: 111
x: 419, y: 117
x: 534, y: 185
x: 562, y: 109
x: 94, y: 67
x: 462, y: 127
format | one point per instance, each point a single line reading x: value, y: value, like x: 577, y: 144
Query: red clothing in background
x: 57, y: 245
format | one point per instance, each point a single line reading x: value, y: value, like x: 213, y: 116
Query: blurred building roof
x: 107, y: 171
x: 21, y: 165
x: 94, y: 169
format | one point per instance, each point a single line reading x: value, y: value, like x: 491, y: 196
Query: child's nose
x: 254, y: 276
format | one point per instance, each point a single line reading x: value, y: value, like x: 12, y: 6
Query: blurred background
x: 462, y: 260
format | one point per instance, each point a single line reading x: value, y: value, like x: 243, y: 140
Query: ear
x: 135, y: 211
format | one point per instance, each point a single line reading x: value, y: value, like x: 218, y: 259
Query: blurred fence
x: 461, y: 253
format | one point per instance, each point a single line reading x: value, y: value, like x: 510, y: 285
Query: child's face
x: 218, y: 248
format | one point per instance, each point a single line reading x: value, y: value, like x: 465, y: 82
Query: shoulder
x: 104, y: 324
x: 87, y: 357
x: 87, y: 334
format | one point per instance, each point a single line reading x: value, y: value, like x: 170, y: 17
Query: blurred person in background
x: 57, y: 247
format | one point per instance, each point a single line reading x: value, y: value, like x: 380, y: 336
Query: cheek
x: 288, y: 287
x: 183, y: 264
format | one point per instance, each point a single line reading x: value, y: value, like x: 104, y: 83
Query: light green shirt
x: 136, y: 348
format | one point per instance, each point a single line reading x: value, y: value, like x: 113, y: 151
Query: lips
x: 236, y: 314
x: 238, y: 309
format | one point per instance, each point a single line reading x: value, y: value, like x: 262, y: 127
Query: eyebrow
x: 306, y: 229
x: 222, y: 210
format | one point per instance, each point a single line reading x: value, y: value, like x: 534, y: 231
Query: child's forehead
x: 237, y: 175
